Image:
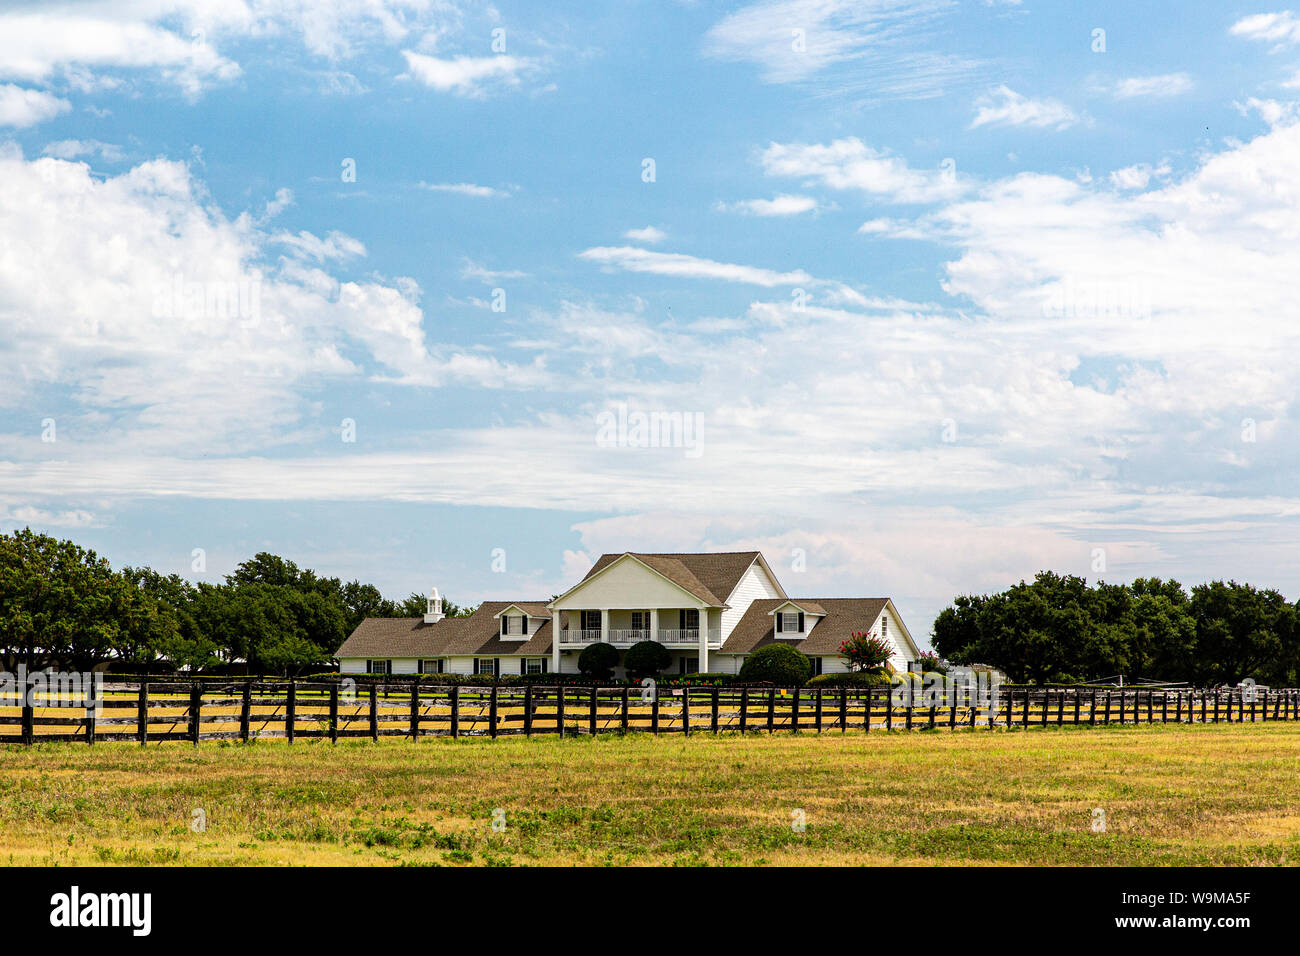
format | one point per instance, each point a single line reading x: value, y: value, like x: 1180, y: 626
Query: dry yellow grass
x: 1172, y: 795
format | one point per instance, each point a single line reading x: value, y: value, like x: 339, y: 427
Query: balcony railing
x: 577, y: 637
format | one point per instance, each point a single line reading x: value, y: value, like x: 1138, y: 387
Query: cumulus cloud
x: 1152, y: 87
x: 467, y: 75
x: 783, y: 205
x: 20, y: 107
x: 850, y: 164
x: 1005, y: 107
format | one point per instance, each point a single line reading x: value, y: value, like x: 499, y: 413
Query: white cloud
x: 880, y: 49
x: 467, y: 75
x: 170, y: 325
x: 1281, y: 29
x: 75, y: 148
x: 336, y: 246
x: 1006, y: 107
x: 849, y: 164
x: 783, y: 205
x: 20, y: 107
x: 467, y: 189
x: 1163, y: 85
x: 1138, y: 175
x: 632, y: 259
x: 650, y: 234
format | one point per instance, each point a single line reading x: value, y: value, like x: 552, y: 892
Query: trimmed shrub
x: 778, y: 664
x: 646, y: 659
x: 598, y: 661
x: 876, y: 678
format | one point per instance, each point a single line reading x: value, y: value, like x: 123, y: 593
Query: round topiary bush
x: 778, y: 664
x: 598, y: 661
x: 646, y: 659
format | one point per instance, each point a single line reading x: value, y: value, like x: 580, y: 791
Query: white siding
x: 753, y: 585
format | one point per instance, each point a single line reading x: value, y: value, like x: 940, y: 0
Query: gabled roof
x: 531, y: 608
x: 803, y: 604
x: 843, y: 617
x: 480, y: 633
x: 710, y: 576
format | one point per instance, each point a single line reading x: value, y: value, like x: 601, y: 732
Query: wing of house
x: 709, y: 609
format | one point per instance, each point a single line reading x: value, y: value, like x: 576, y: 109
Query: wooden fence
x: 159, y: 711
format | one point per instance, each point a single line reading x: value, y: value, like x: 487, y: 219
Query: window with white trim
x: 816, y: 663
x: 790, y: 622
x: 533, y: 665
x: 431, y: 666
x: 515, y: 624
x: 640, y: 620
x: 884, y: 625
x: 485, y: 665
x: 379, y: 667
x: 591, y: 620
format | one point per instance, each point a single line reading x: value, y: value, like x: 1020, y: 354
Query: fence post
x: 910, y: 708
x: 1230, y: 694
x: 1024, y: 713
x: 374, y: 713
x: 591, y: 719
x: 415, y: 709
x: 291, y: 710
x: 844, y: 710
x: 952, y: 714
x: 1178, y: 704
x: 654, y: 710
x: 794, y: 711
x: 492, y: 712
x: 622, y: 717
x: 771, y: 709
x: 528, y: 711
x: 559, y: 708
x: 744, y: 709
x: 196, y: 711
x: 818, y: 706
x: 455, y: 710
x: 889, y: 711
x: 334, y: 713
x: 868, y: 706
x: 90, y: 717
x: 28, y: 712
x: 1122, y: 701
x: 245, y: 710
x: 142, y: 714
x: 1076, y: 707
x: 686, y: 711
x: 713, y: 717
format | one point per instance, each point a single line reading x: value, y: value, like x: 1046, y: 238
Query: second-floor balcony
x: 626, y: 637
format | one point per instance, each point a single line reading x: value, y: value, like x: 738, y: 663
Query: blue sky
x: 954, y: 291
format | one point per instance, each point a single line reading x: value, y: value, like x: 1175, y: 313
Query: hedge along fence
x: 150, y: 712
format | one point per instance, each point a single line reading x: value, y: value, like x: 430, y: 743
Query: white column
x: 654, y: 624
x: 555, y: 641
x: 604, y: 625
x: 704, y: 639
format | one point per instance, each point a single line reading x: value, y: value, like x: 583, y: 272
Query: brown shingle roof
x: 480, y: 633
x: 710, y: 576
x: 843, y: 617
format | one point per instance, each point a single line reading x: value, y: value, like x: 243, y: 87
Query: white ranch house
x: 710, y: 610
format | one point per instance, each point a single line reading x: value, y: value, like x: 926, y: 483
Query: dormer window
x: 514, y: 626
x: 790, y: 621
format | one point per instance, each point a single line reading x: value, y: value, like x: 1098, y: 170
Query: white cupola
x: 434, y: 612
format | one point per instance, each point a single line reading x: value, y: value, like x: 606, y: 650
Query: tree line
x: 1059, y: 629
x: 62, y: 605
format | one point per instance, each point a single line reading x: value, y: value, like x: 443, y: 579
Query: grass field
x: 1223, y: 794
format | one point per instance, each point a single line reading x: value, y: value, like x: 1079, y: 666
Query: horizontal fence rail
x: 156, y: 711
